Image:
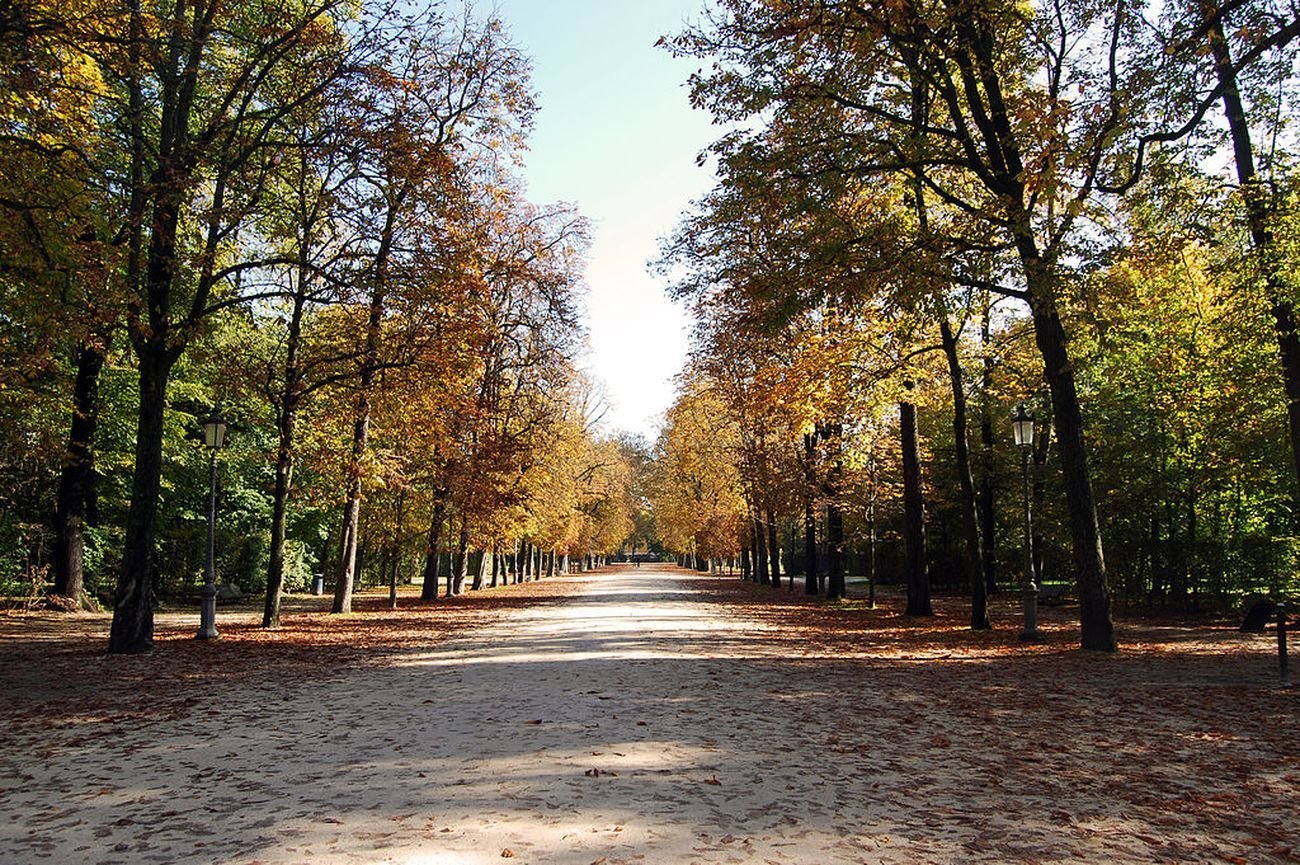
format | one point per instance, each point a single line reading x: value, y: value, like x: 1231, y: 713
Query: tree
x: 1002, y: 142
x: 197, y: 121
x: 439, y: 91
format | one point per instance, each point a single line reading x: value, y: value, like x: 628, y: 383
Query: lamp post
x: 214, y: 437
x: 1022, y: 425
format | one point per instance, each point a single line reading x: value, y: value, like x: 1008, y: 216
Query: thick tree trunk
x: 150, y: 267
x: 974, y: 549
x: 1097, y: 631
x: 480, y: 571
x: 77, y: 479
x: 915, y: 570
x: 132, y: 629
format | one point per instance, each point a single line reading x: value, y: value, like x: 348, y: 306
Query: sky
x: 615, y: 135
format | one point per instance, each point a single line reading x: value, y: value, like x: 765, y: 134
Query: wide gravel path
x: 631, y: 722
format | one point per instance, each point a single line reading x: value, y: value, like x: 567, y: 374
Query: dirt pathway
x: 636, y: 721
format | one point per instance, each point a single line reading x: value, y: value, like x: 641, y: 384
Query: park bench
x: 227, y: 593
x: 1050, y: 594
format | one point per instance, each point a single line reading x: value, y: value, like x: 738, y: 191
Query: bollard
x: 1281, y: 646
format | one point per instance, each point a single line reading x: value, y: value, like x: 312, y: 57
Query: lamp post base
x: 208, y: 613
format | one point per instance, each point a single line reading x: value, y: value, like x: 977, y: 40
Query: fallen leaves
x: 56, y: 666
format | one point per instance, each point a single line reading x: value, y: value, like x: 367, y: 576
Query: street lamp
x: 1022, y: 425
x: 214, y: 437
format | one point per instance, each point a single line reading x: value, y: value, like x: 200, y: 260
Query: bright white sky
x: 616, y: 136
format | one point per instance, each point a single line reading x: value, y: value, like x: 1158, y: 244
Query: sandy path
x: 633, y: 722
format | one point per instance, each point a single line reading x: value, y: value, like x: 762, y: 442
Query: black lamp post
x: 214, y: 437
x: 1022, y: 425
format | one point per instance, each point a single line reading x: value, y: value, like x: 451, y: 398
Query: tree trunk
x: 279, y: 521
x: 456, y: 579
x: 1097, y: 631
x: 812, y: 577
x: 982, y: 93
x: 1042, y: 444
x: 811, y: 582
x: 429, y: 591
x: 773, y: 549
x: 480, y: 572
x: 871, y: 555
x: 915, y: 571
x: 1256, y: 196
x: 988, y: 516
x: 132, y: 629
x: 836, y: 586
x: 394, y: 560
x: 285, y: 422
x: 361, y: 427
x: 77, y: 478
x: 974, y: 549
x: 760, y: 552
x: 150, y: 267
x: 346, y: 572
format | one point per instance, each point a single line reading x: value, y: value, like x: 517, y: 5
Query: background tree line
x: 307, y: 214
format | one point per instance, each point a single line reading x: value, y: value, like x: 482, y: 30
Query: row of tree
x: 306, y: 212
x: 930, y: 211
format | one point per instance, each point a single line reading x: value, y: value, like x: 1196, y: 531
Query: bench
x: 1051, y: 594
